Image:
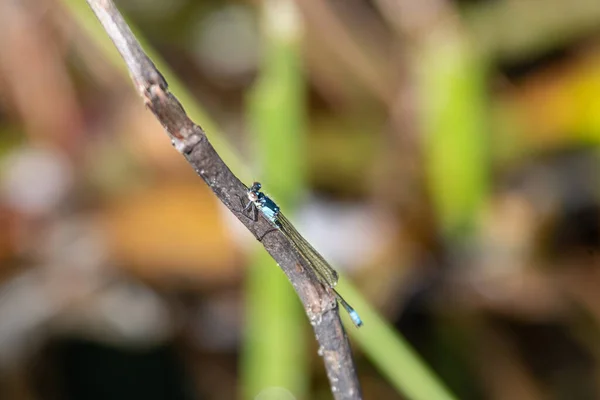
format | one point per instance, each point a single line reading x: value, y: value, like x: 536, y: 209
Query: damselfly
x: 323, y: 271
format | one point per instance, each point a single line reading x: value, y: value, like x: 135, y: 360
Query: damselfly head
x: 256, y: 187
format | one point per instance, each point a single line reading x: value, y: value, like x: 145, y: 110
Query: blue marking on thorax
x: 268, y: 208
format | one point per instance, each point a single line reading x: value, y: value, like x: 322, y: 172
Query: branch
x: 191, y: 141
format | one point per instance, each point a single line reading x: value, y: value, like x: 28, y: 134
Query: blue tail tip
x: 355, y: 318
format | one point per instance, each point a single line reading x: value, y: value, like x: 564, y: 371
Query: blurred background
x: 443, y: 155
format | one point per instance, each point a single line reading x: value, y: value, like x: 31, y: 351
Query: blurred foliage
x: 275, y: 349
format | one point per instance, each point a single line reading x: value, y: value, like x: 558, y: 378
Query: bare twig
x: 190, y: 140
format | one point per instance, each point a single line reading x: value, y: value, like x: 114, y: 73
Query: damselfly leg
x: 253, y: 209
x: 250, y: 207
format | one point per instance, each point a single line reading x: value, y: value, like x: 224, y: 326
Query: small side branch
x: 190, y: 140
